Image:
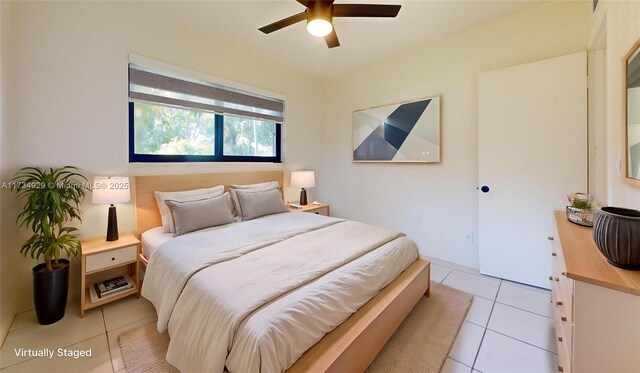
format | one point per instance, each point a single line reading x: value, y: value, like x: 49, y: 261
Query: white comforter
x: 177, y: 260
x: 265, y: 302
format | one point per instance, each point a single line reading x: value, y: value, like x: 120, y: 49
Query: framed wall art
x: 405, y: 132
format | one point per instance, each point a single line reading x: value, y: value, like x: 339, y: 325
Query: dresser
x: 596, y: 306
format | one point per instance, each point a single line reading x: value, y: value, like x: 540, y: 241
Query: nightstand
x: 321, y: 209
x: 102, y: 260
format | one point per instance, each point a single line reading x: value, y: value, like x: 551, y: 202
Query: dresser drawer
x: 563, y: 332
x: 562, y: 285
x: 111, y: 258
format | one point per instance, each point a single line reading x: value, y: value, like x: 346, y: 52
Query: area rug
x: 420, y: 345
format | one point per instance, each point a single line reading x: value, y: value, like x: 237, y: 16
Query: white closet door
x: 532, y: 145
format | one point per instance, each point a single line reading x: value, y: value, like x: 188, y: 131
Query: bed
x: 256, y: 320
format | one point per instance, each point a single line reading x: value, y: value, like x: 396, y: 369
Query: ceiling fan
x: 319, y: 15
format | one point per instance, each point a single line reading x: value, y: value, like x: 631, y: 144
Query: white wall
x: 435, y: 204
x: 8, y: 253
x: 69, y: 106
x: 620, y: 21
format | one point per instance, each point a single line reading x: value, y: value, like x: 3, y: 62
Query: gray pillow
x: 255, y: 203
x: 255, y: 187
x: 183, y: 196
x: 191, y: 216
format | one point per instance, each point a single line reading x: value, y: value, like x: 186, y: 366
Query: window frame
x: 218, y: 155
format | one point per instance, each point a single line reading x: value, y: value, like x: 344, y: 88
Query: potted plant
x: 581, y: 210
x: 52, y: 198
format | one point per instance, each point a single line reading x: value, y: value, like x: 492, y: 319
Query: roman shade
x: 151, y: 85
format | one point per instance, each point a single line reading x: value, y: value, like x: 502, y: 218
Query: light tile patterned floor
x: 508, y: 329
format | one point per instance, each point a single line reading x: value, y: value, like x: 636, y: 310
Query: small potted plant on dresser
x: 52, y: 197
x: 581, y: 210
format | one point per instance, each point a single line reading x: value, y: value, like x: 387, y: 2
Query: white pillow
x: 253, y: 187
x: 183, y: 196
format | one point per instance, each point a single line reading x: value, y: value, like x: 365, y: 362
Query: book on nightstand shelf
x: 105, y: 288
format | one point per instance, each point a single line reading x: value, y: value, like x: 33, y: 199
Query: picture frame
x: 405, y: 132
x: 631, y: 98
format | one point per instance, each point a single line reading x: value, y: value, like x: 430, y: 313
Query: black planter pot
x: 50, y: 292
x: 616, y: 233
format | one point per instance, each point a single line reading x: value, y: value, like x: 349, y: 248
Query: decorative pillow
x: 256, y: 187
x: 255, y: 203
x: 194, y: 215
x: 184, y: 196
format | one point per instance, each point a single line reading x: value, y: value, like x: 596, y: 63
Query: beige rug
x: 420, y: 345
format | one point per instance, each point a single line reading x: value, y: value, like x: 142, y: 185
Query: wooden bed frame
x: 350, y: 347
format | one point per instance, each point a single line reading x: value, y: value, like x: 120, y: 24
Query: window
x: 177, y: 120
x: 248, y: 137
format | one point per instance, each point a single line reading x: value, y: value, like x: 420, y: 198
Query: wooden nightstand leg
x: 138, y: 275
x: 83, y: 285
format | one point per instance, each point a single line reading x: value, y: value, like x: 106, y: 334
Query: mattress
x: 295, y: 277
x: 152, y: 239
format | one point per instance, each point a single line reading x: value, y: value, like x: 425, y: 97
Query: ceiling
x: 362, y: 40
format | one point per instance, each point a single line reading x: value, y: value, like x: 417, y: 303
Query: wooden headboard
x: 146, y: 207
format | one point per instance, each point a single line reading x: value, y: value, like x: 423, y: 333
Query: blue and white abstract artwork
x: 407, y: 132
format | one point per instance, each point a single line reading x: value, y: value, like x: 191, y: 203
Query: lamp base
x: 112, y: 225
x: 303, y: 197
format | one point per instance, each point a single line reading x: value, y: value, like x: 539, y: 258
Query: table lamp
x: 303, y: 179
x: 109, y: 191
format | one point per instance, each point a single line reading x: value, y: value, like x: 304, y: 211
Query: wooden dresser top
x: 584, y: 262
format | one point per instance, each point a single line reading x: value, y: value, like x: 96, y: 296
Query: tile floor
x: 98, y: 331
x: 508, y: 329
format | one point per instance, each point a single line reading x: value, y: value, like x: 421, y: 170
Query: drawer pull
x: 550, y: 278
x: 550, y: 238
x: 563, y: 318
x: 557, y: 279
x: 560, y: 368
x: 113, y: 258
x: 559, y: 339
x: 558, y: 303
x: 554, y: 254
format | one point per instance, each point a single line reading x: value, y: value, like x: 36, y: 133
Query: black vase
x: 616, y: 232
x: 50, y: 291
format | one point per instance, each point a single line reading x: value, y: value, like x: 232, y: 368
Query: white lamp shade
x: 303, y: 179
x: 109, y: 190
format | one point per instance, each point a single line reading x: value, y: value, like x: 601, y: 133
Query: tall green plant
x: 53, y: 197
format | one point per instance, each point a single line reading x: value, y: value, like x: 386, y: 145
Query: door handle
x: 484, y: 189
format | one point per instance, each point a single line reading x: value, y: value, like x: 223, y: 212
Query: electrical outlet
x: 470, y: 237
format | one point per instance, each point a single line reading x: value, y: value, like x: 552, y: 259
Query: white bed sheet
x: 152, y: 239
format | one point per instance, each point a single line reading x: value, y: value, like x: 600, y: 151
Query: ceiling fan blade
x: 332, y: 39
x: 365, y: 10
x: 306, y: 2
x: 275, y: 26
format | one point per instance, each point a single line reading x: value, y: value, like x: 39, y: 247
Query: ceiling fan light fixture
x: 319, y: 26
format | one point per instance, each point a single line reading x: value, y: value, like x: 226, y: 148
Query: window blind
x: 150, y: 85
